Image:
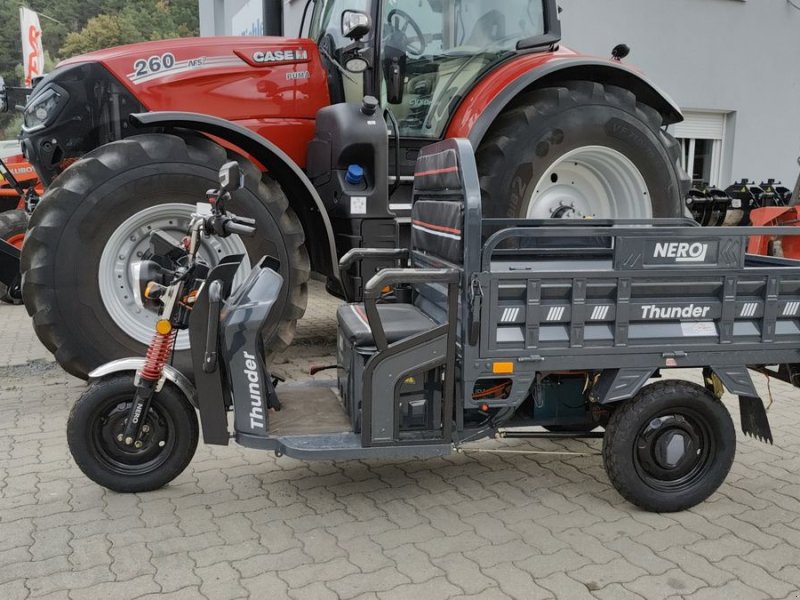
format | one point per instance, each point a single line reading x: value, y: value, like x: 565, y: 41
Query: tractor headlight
x: 43, y: 108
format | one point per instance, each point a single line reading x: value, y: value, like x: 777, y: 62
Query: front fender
x: 124, y: 365
x: 489, y: 98
x: 287, y: 173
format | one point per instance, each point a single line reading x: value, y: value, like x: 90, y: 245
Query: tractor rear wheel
x: 13, y: 225
x: 93, y: 224
x: 581, y: 150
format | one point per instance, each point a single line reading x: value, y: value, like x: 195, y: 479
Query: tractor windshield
x: 448, y: 45
x: 440, y: 48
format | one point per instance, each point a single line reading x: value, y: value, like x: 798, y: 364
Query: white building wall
x: 738, y: 56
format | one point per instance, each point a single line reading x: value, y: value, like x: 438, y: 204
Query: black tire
x: 543, y: 125
x: 89, y: 200
x: 98, y: 417
x: 639, y: 434
x: 13, y: 223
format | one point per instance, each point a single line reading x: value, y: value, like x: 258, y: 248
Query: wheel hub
x: 127, y: 246
x: 669, y: 448
x: 153, y: 438
x: 591, y: 182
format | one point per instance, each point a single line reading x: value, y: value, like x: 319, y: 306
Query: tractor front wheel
x: 13, y: 225
x: 93, y: 225
x: 581, y: 150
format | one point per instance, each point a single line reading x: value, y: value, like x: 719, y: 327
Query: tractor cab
x: 420, y: 58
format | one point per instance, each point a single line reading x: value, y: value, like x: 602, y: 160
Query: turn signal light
x: 503, y: 368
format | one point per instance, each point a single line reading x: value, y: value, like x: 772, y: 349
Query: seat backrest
x: 445, y: 212
x: 445, y: 218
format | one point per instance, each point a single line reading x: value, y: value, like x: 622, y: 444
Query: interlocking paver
x: 517, y: 583
x: 671, y: 583
x: 357, y: 584
x: 756, y: 577
x: 243, y: 524
x: 414, y: 563
x: 698, y: 566
x: 734, y: 590
x: 598, y: 576
x: 220, y: 582
x: 434, y: 589
x: 118, y: 590
x: 464, y: 573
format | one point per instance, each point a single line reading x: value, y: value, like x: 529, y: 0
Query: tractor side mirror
x: 231, y: 177
x: 355, y: 24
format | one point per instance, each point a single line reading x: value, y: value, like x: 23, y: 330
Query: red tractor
x: 557, y: 135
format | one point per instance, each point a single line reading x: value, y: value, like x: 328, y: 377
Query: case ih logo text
x: 256, y: 403
x: 681, y: 251
x: 652, y: 312
x: 275, y: 56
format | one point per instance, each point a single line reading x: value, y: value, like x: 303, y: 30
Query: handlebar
x: 232, y: 226
x: 224, y: 225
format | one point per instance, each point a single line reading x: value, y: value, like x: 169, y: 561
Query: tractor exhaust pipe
x: 273, y: 17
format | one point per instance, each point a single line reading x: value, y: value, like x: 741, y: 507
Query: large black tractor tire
x: 96, y: 423
x: 670, y: 447
x: 141, y: 183
x: 13, y: 225
x: 581, y: 150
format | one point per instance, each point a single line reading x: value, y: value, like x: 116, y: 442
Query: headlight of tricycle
x: 43, y: 108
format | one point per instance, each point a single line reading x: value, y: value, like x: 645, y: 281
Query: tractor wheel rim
x: 16, y: 240
x: 591, y: 182
x: 127, y: 245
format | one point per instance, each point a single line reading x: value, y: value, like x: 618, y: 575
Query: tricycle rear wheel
x: 670, y: 447
x: 168, y: 441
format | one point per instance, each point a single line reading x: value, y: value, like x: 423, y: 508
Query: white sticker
x: 203, y: 209
x: 736, y: 203
x: 698, y: 328
x: 358, y: 205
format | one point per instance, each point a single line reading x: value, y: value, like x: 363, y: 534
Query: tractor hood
x: 274, y: 86
x: 230, y: 77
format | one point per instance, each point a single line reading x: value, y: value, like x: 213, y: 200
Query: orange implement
x: 769, y: 245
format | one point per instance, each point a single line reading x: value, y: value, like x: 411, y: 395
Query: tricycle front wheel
x: 94, y: 434
x: 670, y: 447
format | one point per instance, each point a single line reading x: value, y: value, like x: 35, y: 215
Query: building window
x: 702, y: 139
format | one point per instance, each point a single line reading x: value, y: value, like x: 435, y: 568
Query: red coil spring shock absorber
x: 158, y: 354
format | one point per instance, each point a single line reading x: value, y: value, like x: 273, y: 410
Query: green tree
x: 73, y: 27
x: 102, y: 31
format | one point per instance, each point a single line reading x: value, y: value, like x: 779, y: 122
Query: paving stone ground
x: 243, y: 524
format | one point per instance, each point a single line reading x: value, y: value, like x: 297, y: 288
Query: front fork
x: 149, y: 377
x: 148, y: 380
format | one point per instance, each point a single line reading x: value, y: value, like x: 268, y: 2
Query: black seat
x: 437, y: 241
x: 399, y: 321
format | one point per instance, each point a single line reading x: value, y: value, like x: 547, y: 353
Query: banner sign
x: 32, y: 50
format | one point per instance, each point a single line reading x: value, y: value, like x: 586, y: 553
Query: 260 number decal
x: 154, y: 64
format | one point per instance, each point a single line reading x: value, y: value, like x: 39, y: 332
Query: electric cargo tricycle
x: 486, y: 328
